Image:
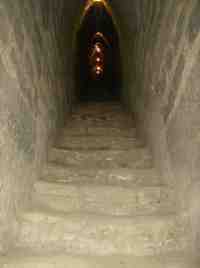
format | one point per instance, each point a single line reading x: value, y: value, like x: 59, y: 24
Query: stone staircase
x: 100, y: 202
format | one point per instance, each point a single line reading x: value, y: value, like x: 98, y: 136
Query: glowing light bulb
x: 98, y: 59
x: 98, y: 49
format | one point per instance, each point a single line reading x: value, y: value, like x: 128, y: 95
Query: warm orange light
x: 98, y: 49
x: 98, y: 70
x: 90, y: 3
x: 98, y: 59
x: 101, y: 36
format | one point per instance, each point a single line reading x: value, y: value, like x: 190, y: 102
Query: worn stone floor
x: 100, y: 202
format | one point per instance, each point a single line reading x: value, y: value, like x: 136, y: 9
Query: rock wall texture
x: 160, y: 44
x: 160, y: 41
x: 35, y: 95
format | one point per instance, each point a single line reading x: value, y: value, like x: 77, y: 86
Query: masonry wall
x: 35, y: 95
x: 161, y: 59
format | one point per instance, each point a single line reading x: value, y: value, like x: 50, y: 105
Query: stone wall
x: 161, y: 49
x: 160, y: 44
x: 35, y: 95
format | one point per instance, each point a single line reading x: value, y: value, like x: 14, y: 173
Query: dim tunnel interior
x: 149, y: 63
x: 97, y: 26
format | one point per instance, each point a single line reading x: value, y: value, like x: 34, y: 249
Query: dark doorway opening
x: 98, y: 73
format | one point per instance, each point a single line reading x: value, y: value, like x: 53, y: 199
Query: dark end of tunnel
x: 98, y: 72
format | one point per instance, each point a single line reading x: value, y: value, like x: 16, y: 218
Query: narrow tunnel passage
x: 98, y: 61
x: 101, y: 185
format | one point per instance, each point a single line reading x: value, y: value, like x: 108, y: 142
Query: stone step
x: 102, y: 117
x: 94, y: 234
x: 137, y: 158
x: 100, y: 112
x: 104, y: 199
x: 126, y: 124
x: 123, y: 177
x: 28, y: 259
x: 79, y: 129
x: 97, y: 143
x: 105, y: 118
x: 98, y: 108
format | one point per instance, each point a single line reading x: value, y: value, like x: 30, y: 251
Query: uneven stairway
x: 100, y: 202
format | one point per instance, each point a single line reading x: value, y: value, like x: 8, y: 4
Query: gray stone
x: 27, y: 259
x: 5, y: 27
x: 175, y: 86
x: 100, y: 197
x: 194, y: 25
x: 23, y: 131
x: 19, y: 33
x: 103, y: 235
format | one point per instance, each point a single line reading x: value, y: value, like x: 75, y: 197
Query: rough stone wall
x: 161, y: 43
x: 35, y: 95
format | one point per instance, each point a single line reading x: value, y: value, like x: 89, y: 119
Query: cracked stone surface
x: 104, y: 199
x: 97, y: 143
x: 28, y: 259
x: 78, y: 129
x: 103, y: 235
x: 99, y: 195
x: 138, y: 157
x: 99, y: 178
x: 110, y: 176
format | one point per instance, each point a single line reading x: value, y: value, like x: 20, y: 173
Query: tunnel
x: 133, y: 67
x: 97, y: 26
